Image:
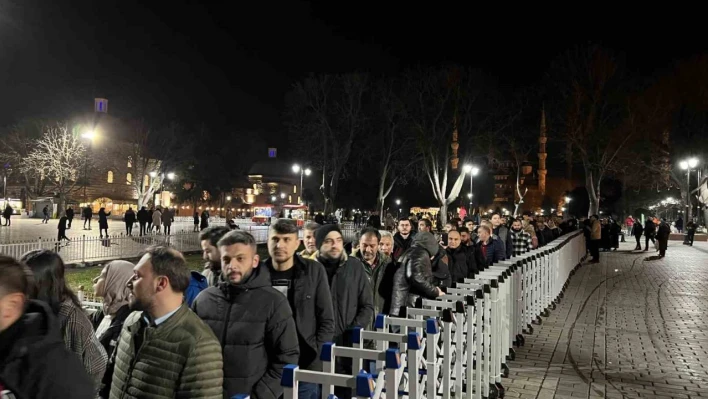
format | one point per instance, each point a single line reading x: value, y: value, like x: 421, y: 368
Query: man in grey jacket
x: 352, y: 297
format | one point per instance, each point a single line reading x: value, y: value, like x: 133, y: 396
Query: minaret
x: 542, y: 154
x: 455, y: 145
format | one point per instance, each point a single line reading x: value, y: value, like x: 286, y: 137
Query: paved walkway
x: 632, y: 326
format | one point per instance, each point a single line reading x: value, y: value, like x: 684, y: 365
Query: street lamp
x: 567, y: 199
x: 88, y: 134
x: 687, y: 165
x: 303, y: 172
x: 472, y: 170
x: 169, y: 175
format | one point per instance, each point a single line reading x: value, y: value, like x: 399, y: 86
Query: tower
x: 542, y: 154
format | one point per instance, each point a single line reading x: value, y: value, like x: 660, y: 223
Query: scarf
x: 117, y: 273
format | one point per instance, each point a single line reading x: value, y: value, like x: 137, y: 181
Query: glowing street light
x: 88, y: 134
x: 472, y: 170
x: 171, y: 176
x: 282, y: 195
x: 687, y: 165
x: 567, y: 199
x: 303, y: 172
x: 228, y: 198
x: 273, y: 198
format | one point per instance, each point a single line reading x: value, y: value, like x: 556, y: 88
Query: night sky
x: 229, y: 65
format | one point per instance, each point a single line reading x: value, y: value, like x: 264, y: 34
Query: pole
x: 301, y: 174
x: 688, y: 194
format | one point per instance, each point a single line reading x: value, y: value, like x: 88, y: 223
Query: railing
x: 95, y: 249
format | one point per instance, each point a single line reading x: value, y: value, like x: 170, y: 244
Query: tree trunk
x: 593, y: 194
x: 443, y: 214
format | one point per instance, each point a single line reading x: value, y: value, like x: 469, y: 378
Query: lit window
x: 130, y: 162
x: 290, y: 199
x: 128, y: 178
x: 294, y: 189
x: 110, y: 177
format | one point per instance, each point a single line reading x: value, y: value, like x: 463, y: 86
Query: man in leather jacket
x: 414, y: 277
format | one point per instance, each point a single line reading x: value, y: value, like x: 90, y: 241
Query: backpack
x: 197, y: 284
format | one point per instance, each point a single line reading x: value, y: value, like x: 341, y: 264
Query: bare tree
x: 326, y: 117
x: 439, y: 105
x: 57, y: 158
x: 16, y: 143
x: 391, y: 147
x: 595, y: 106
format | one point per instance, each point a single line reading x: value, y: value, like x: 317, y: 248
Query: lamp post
x: 472, y: 170
x: 169, y: 175
x: 88, y: 135
x: 303, y: 172
x: 398, y: 205
x: 687, y: 165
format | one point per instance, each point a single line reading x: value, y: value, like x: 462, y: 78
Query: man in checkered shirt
x: 520, y: 240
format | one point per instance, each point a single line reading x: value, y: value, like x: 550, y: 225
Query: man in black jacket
x: 252, y: 320
x: 352, y: 296
x: 414, y: 277
x: 34, y: 362
x: 304, y: 283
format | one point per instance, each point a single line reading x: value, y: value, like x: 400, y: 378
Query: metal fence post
x: 83, y: 248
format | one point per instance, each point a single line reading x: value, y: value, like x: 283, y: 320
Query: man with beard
x: 403, y: 238
x: 304, y: 283
x: 378, y: 268
x: 210, y: 252
x: 352, y: 297
x: 164, y: 349
x: 520, y: 240
x: 252, y: 319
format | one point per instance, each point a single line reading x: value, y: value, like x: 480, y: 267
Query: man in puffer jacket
x: 414, y: 277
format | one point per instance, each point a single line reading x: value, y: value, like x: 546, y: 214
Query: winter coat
x: 79, y: 338
x: 649, y: 228
x: 414, y: 277
x: 157, y: 218
x: 462, y: 262
x: 180, y: 358
x: 637, y: 229
x: 213, y: 276
x: 493, y: 250
x: 401, y: 244
x: 504, y: 234
x: 381, y: 280
x: 167, y: 218
x: 70, y: 213
x: 143, y: 216
x: 129, y: 217
x: 109, y: 341
x: 255, y: 326
x: 595, y: 230
x: 34, y: 362
x: 313, y: 314
x: 662, y: 235
x: 352, y: 298
x: 103, y: 219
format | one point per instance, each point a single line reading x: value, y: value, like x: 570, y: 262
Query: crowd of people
x: 157, y: 338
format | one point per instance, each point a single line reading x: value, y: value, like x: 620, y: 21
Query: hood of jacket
x: 426, y: 241
x: 40, y: 329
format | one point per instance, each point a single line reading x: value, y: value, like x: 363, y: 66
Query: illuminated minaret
x: 542, y: 154
x: 455, y: 146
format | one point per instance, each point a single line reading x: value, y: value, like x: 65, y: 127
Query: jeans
x: 307, y: 390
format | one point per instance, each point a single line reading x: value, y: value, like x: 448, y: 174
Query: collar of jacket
x: 258, y: 279
x: 381, y: 258
x: 164, y: 328
x: 342, y: 259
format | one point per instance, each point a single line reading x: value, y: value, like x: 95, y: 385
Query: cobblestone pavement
x: 632, y: 326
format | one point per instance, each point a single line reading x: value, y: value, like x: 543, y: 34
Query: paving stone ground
x: 633, y: 326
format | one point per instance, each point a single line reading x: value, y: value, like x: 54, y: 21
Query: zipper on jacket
x: 132, y: 364
x: 223, y: 330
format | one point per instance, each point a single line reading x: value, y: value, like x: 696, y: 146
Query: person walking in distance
x: 129, y: 219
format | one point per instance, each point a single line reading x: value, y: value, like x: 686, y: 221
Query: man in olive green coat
x: 165, y: 350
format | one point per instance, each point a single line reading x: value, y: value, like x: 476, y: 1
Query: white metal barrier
x: 481, y: 319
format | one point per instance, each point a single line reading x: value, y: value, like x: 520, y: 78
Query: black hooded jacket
x: 414, y: 277
x: 34, y: 362
x: 256, y: 329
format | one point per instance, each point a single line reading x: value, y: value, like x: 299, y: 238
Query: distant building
x: 544, y: 192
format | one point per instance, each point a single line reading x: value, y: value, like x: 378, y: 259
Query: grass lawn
x: 84, y: 276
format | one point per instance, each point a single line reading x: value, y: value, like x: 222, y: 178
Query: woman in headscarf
x: 111, y: 285
x: 76, y: 328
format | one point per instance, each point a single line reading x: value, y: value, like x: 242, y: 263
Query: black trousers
x: 142, y: 228
x: 639, y: 242
x: 646, y: 242
x: 690, y: 237
x: 128, y: 228
x: 595, y: 250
